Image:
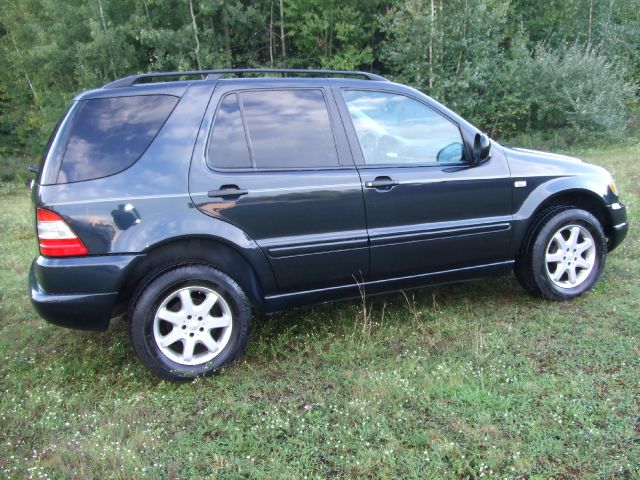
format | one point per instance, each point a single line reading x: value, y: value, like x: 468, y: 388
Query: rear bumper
x: 620, y: 225
x: 79, y: 292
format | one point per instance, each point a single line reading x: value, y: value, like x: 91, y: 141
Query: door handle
x: 382, y: 183
x: 227, y: 191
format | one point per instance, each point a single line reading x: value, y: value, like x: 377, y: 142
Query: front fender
x: 581, y: 190
x: 526, y: 204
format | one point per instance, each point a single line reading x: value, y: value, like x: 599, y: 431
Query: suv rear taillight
x: 55, y: 237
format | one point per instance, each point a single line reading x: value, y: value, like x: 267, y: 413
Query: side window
x: 228, y: 145
x: 285, y: 129
x: 108, y: 135
x: 398, y: 130
x: 289, y: 129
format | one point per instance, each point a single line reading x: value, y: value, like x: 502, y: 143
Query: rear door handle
x: 227, y: 191
x: 382, y: 183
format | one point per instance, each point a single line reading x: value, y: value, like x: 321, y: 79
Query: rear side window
x: 285, y: 129
x: 228, y: 146
x: 108, y: 135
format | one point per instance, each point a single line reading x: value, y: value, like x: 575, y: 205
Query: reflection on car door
x: 277, y: 167
x: 427, y: 208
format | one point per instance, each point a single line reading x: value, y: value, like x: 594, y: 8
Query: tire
x: 564, y: 255
x: 188, y: 322
x: 522, y: 269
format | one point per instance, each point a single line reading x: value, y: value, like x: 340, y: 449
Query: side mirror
x: 481, y: 148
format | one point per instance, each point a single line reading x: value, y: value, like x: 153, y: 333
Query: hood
x: 533, y: 154
x: 527, y: 162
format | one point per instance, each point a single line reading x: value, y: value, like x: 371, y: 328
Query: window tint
x: 394, y: 129
x: 228, y: 145
x: 109, y: 134
x: 289, y: 129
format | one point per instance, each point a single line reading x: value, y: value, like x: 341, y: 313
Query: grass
x: 460, y: 381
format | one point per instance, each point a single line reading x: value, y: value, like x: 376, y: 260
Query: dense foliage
x: 563, y: 68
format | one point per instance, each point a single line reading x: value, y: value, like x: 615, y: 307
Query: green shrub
x: 580, y: 92
x: 13, y: 169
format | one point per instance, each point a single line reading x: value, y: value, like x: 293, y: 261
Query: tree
x: 490, y: 60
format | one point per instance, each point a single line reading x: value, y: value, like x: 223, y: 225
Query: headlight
x: 612, y: 186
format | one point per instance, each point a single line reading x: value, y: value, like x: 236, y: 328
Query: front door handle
x: 227, y: 191
x: 382, y: 183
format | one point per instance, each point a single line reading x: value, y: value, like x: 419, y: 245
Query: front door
x: 277, y: 166
x: 428, y: 209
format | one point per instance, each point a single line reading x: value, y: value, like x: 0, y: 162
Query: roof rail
x: 216, y: 74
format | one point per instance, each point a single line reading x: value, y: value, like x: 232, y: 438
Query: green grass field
x: 460, y: 381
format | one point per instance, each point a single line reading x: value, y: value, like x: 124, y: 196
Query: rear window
x: 285, y: 129
x: 108, y: 135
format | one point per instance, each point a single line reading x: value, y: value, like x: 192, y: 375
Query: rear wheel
x: 564, y: 255
x: 189, y: 321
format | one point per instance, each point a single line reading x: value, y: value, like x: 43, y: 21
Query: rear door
x: 428, y: 209
x: 276, y: 164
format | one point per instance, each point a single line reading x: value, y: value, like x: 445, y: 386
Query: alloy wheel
x: 570, y: 256
x: 192, y: 325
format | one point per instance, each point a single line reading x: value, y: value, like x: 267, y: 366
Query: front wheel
x: 189, y: 321
x: 564, y: 256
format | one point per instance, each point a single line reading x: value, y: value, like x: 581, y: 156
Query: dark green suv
x: 189, y: 202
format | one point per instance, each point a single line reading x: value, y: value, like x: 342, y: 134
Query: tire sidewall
x: 152, y: 296
x: 565, y: 218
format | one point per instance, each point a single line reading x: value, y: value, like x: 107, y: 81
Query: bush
x: 13, y: 169
x: 580, y: 92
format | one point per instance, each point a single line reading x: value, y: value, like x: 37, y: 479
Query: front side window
x: 282, y: 129
x: 108, y: 135
x: 397, y: 130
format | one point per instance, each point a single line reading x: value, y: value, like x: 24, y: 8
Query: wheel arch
x: 577, y: 197
x: 195, y: 249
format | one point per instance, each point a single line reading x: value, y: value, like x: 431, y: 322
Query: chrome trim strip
x: 119, y: 199
x: 319, y: 247
x: 435, y: 234
x: 315, y: 243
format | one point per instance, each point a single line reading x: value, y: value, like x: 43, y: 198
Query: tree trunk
x: 590, y: 22
x: 195, y: 33
x: 227, y: 35
x: 146, y: 11
x: 433, y: 17
x: 102, y: 20
x: 26, y: 75
x: 282, y: 40
x: 330, y: 43
x: 271, y: 36
x: 464, y: 36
